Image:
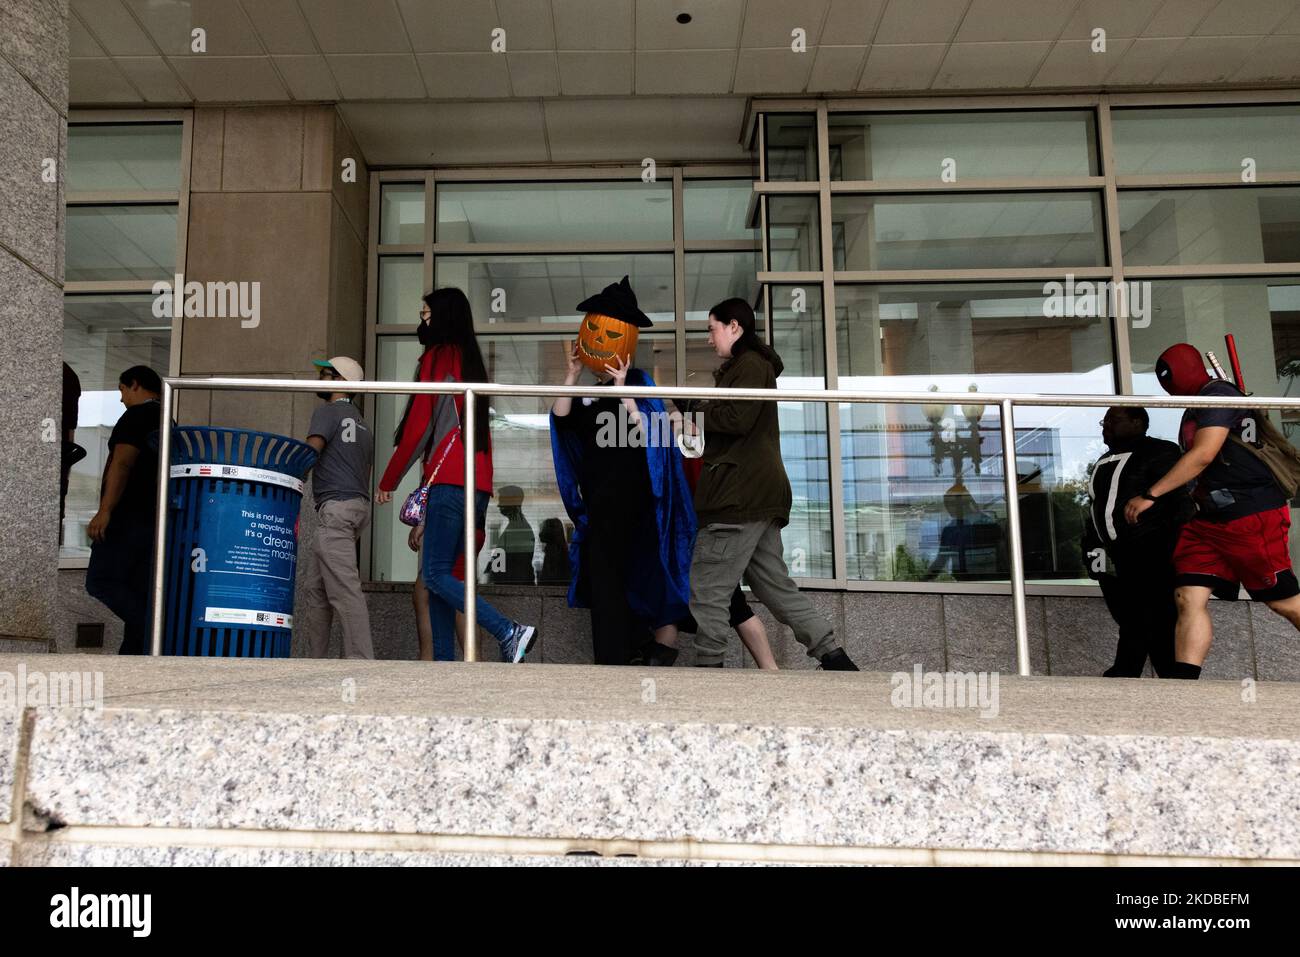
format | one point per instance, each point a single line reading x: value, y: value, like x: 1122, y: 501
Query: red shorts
x: 459, y: 568
x: 1250, y: 551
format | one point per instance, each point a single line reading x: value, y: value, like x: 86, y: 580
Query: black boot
x: 660, y: 656
x: 837, y: 660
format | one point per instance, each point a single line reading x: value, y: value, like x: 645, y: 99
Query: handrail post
x: 471, y: 560
x: 1013, y: 532
x: 160, y: 532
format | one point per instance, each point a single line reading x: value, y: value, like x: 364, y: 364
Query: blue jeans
x: 444, y: 541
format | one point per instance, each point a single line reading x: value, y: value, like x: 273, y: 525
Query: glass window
x: 1195, y: 226
x: 401, y: 218
x: 798, y: 335
x: 713, y: 277
x: 791, y: 146
x: 549, y: 288
x: 123, y: 157
x: 521, y: 451
x: 555, y: 212
x: 793, y: 234
x: 1206, y: 139
x: 107, y: 243
x: 401, y: 284
x: 923, y: 484
x: 971, y: 231
x: 103, y: 336
x: 885, y: 146
x: 718, y: 209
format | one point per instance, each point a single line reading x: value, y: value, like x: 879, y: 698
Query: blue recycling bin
x: 232, y: 541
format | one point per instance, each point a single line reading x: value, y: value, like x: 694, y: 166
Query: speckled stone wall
x: 33, y: 129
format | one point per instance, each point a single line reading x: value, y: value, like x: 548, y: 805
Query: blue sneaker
x: 518, y: 644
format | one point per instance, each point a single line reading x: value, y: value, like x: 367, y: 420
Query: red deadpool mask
x: 1181, y: 370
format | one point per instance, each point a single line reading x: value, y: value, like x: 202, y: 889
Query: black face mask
x: 427, y: 335
x: 325, y: 395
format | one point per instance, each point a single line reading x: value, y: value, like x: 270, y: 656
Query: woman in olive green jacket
x: 743, y: 499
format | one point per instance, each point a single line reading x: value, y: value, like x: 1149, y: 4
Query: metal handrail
x: 1006, y: 401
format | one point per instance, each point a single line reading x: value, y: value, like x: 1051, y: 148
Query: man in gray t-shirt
x: 341, y: 489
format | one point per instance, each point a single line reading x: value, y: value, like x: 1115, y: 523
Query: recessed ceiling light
x: 683, y: 18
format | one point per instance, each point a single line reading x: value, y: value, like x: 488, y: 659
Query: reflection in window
x: 123, y: 157
x: 401, y: 284
x: 103, y: 336
x: 111, y: 243
x: 555, y: 212
x: 885, y: 146
x: 717, y: 209
x: 923, y: 484
x: 401, y: 216
x: 972, y: 231
x: 1206, y: 139
x: 547, y: 288
x: 793, y: 234
x: 713, y: 277
x: 791, y: 146
x: 1198, y: 226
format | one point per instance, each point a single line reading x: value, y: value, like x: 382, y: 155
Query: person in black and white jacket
x: 1140, y: 592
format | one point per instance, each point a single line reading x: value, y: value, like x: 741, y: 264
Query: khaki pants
x: 725, y: 553
x: 333, y: 581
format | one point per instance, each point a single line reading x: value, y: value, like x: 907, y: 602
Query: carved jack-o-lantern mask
x: 605, y: 341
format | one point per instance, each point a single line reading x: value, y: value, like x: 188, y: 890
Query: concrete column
x: 33, y: 142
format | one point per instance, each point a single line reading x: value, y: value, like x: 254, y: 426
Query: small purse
x: 413, y: 508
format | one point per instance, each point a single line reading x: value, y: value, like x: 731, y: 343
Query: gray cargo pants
x: 334, y: 582
x: 725, y: 553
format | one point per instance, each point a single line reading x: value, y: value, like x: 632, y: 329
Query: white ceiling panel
x: 450, y: 26
x: 904, y: 66
x: 1208, y: 59
x: 1143, y: 61
x: 281, y: 26
x: 356, y: 26
x: 533, y: 74
x: 308, y: 77
x: 114, y: 28
x: 685, y: 71
x: 595, y: 74
x: 377, y: 76
x: 1000, y: 20
x: 153, y: 78
x: 527, y: 24
x: 714, y: 25
x: 920, y: 21
x: 1119, y: 18
x: 979, y: 66
x: 627, y: 130
x: 773, y: 71
x: 448, y: 133
x: 223, y: 79
x: 80, y: 42
x: 1178, y: 18
x: 836, y: 69
x: 1073, y: 64
x: 169, y: 22
x: 768, y: 23
x: 1276, y: 59
x: 1245, y: 18
x: 593, y: 24
x: 852, y: 22
x: 452, y: 75
x: 98, y: 80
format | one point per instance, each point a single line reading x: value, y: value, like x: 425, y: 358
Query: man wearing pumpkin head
x: 621, y: 480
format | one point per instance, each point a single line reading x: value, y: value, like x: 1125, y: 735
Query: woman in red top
x: 431, y: 431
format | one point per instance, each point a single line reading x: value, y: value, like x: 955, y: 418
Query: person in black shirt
x: 72, y: 452
x: 1239, y: 535
x: 1140, y: 593
x: 122, y: 532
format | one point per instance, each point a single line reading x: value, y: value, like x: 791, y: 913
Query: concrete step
x: 228, y: 761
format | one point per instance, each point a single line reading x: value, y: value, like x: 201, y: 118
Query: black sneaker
x: 660, y: 656
x: 837, y: 660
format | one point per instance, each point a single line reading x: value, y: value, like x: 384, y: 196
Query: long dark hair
x: 451, y: 322
x: 741, y: 312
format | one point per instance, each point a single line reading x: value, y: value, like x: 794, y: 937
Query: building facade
x: 925, y: 197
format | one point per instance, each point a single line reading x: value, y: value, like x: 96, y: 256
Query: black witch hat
x: 618, y: 301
